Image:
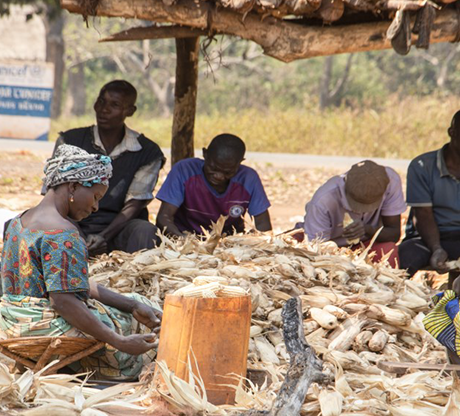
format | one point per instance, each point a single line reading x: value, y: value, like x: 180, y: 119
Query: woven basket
x: 34, y: 347
x: 36, y: 352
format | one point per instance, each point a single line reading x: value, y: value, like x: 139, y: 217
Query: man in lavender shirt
x: 372, y: 196
x: 199, y: 191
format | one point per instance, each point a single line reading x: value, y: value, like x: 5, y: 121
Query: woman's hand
x: 147, y: 316
x: 136, y: 344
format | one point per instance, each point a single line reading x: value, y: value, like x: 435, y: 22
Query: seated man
x: 372, y: 196
x: 122, y: 220
x: 432, y: 191
x: 198, y: 191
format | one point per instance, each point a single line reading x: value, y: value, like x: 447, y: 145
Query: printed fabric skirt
x: 28, y: 317
x: 443, y: 322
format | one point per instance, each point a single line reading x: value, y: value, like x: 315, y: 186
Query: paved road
x: 276, y: 159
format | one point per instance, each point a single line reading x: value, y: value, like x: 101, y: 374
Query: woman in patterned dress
x: 443, y: 321
x: 46, y: 287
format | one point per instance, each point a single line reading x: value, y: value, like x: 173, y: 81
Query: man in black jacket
x: 121, y: 223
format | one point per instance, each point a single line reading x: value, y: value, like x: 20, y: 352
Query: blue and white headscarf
x: 72, y: 164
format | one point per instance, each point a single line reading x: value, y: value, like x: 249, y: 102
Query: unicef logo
x: 236, y: 211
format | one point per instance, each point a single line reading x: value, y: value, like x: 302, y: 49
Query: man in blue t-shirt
x: 433, y: 189
x: 199, y: 191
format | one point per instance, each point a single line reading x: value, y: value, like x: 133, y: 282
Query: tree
x: 328, y: 96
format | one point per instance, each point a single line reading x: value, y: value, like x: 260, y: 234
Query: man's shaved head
x: 227, y: 147
x: 122, y: 87
x: 454, y: 130
x: 455, y: 123
x: 222, y: 160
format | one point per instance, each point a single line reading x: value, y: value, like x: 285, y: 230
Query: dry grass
x: 397, y: 130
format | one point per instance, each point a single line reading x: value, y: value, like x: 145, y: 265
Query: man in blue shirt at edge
x: 433, y: 190
x: 198, y: 191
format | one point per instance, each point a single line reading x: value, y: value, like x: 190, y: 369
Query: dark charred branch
x: 304, y: 368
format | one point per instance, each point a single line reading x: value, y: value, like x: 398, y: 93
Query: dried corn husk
x: 314, y: 301
x: 389, y: 315
x: 186, y: 394
x: 411, y: 301
x: 255, y: 331
x: 453, y: 405
x: 266, y: 351
x: 344, y: 341
x: 383, y: 297
x: 331, y: 403
x: 341, y: 383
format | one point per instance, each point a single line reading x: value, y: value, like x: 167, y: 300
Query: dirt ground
x: 288, y: 188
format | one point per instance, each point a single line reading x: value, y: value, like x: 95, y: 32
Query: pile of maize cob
x: 355, y: 314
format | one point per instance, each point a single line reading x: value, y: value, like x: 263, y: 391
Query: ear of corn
x: 361, y: 341
x: 198, y: 291
x: 314, y: 301
x: 324, y: 318
x: 336, y: 311
x: 310, y: 325
x: 210, y: 290
x: 231, y: 291
x: 203, y: 280
x: 347, y: 220
x: 378, y: 341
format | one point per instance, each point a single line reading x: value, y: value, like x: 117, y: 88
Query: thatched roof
x: 290, y: 29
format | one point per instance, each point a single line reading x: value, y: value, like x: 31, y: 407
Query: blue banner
x: 25, y: 101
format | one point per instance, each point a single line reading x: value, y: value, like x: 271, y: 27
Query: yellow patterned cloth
x: 443, y: 322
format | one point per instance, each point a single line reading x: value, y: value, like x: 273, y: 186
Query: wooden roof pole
x: 154, y: 32
x: 185, y: 94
